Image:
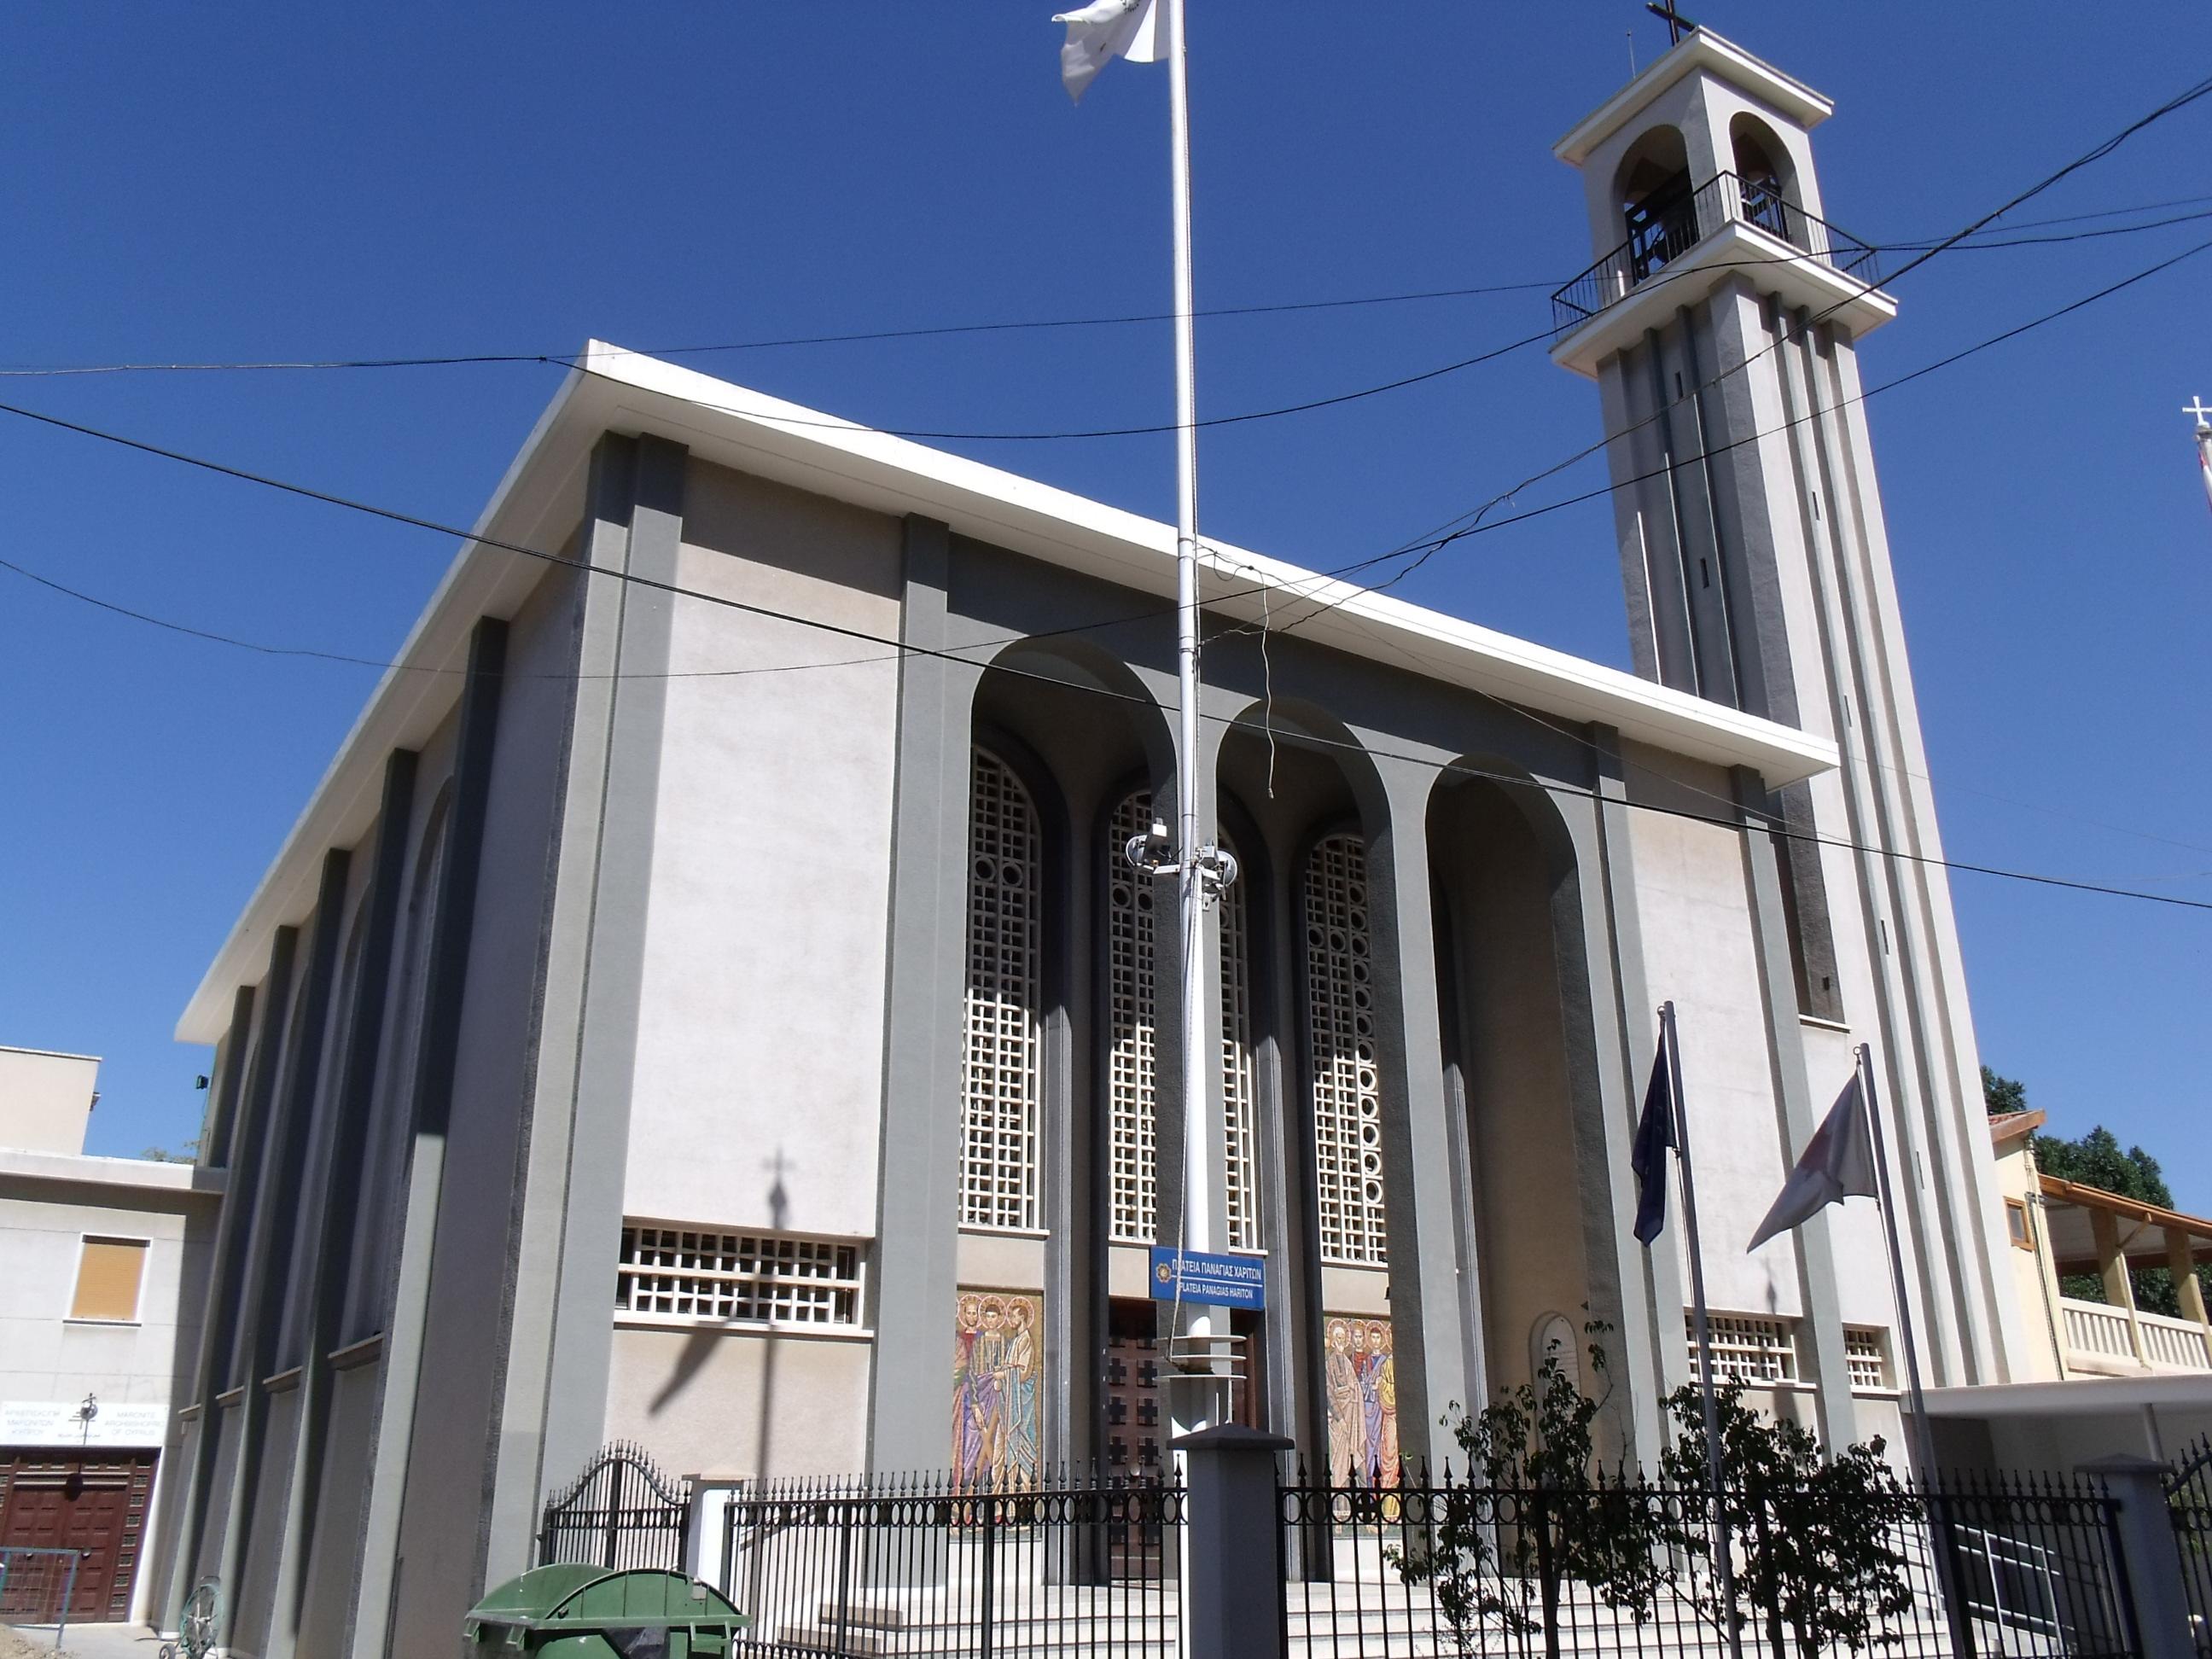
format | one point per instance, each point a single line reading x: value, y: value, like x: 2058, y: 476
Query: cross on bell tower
x: 1677, y: 25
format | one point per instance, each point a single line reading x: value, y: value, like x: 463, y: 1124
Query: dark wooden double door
x: 92, y: 1503
x: 1134, y: 1434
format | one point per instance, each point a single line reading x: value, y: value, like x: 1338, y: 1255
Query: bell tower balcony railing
x: 1669, y: 234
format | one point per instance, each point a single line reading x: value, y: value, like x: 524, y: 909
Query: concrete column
x: 2150, y: 1556
x: 337, y: 1203
x: 270, y: 1265
x: 591, y: 953
x: 2119, y: 1283
x: 917, y: 1217
x: 1233, y: 1601
x: 1794, y: 1107
x: 2188, y: 1289
x: 430, y: 1094
x: 1427, y: 1300
x: 1623, y: 1038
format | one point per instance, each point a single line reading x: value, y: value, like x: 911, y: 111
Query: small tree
x: 1815, y: 1536
x: 1537, y: 1512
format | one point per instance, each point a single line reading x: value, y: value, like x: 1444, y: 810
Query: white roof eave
x: 627, y: 393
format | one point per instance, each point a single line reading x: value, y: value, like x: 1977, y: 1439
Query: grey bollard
x: 1233, y: 1601
x: 2152, y: 1557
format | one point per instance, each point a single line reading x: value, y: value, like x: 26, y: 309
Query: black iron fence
x: 1670, y: 230
x: 37, y: 1586
x: 620, y: 1512
x: 2189, y: 1500
x: 915, y: 1566
x: 1985, y: 1568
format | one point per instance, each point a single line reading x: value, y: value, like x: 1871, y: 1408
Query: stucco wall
x: 749, y: 1403
x: 1699, y: 949
x: 44, y: 1355
x: 45, y: 1099
x: 760, y: 1047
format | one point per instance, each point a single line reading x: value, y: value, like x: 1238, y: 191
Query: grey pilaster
x: 917, y: 1235
x: 226, y: 1273
x: 268, y: 1265
x: 1425, y: 1296
x: 431, y: 1092
x: 591, y: 972
x: 337, y: 1199
x: 1793, y: 1105
x: 1623, y: 1036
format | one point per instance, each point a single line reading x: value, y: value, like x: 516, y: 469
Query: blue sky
x: 218, y: 183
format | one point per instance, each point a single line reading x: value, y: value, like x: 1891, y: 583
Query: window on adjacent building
x: 109, y: 1275
x: 999, y: 1068
x: 1747, y: 1349
x: 766, y: 1279
x: 1347, y: 1098
x: 2016, y: 1224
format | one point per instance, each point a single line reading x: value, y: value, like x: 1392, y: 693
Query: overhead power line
x: 895, y: 649
x: 862, y: 336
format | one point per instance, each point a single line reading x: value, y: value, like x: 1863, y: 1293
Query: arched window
x: 1000, y: 1071
x: 1347, y: 1102
x: 1132, y: 907
x: 1132, y: 1140
x: 1238, y: 1092
x: 1762, y: 170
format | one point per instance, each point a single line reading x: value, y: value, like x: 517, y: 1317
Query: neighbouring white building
x: 102, y: 1281
x: 705, y: 1003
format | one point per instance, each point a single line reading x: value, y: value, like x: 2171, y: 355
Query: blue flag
x: 1654, y: 1137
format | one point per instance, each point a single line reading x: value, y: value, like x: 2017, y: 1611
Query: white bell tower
x: 1721, y: 321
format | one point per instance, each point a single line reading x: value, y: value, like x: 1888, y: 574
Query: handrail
x: 1671, y: 231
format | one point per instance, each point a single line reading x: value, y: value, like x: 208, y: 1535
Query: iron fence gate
x: 37, y: 1586
x: 915, y: 1566
x: 2189, y: 1500
x: 1448, y: 1568
x: 620, y: 1512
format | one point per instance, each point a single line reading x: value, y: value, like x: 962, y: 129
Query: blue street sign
x: 1216, y: 1281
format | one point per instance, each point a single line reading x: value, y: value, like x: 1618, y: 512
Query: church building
x: 706, y: 1001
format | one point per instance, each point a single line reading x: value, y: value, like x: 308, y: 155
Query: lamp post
x: 85, y: 1413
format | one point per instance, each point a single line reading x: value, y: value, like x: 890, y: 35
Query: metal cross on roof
x: 1677, y: 25
x: 2204, y: 415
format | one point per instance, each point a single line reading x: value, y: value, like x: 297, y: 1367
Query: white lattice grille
x: 1867, y: 1357
x: 1746, y: 1349
x: 1347, y: 1103
x: 998, y: 1070
x: 1133, y: 900
x: 1132, y: 1145
x: 1239, y: 1092
x: 763, y: 1278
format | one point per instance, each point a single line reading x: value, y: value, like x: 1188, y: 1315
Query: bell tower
x: 1721, y: 321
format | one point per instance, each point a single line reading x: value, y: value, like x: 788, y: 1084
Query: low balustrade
x: 2102, y: 1337
x: 1671, y: 231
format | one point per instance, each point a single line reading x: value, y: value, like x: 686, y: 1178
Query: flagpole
x: 1200, y: 1224
x: 1923, y: 1444
x: 1723, y: 1558
x: 1923, y: 1440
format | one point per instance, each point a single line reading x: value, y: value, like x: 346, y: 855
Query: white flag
x: 1106, y: 29
x: 1838, y: 1164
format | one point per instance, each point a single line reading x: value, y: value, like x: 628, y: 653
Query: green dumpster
x: 568, y: 1612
